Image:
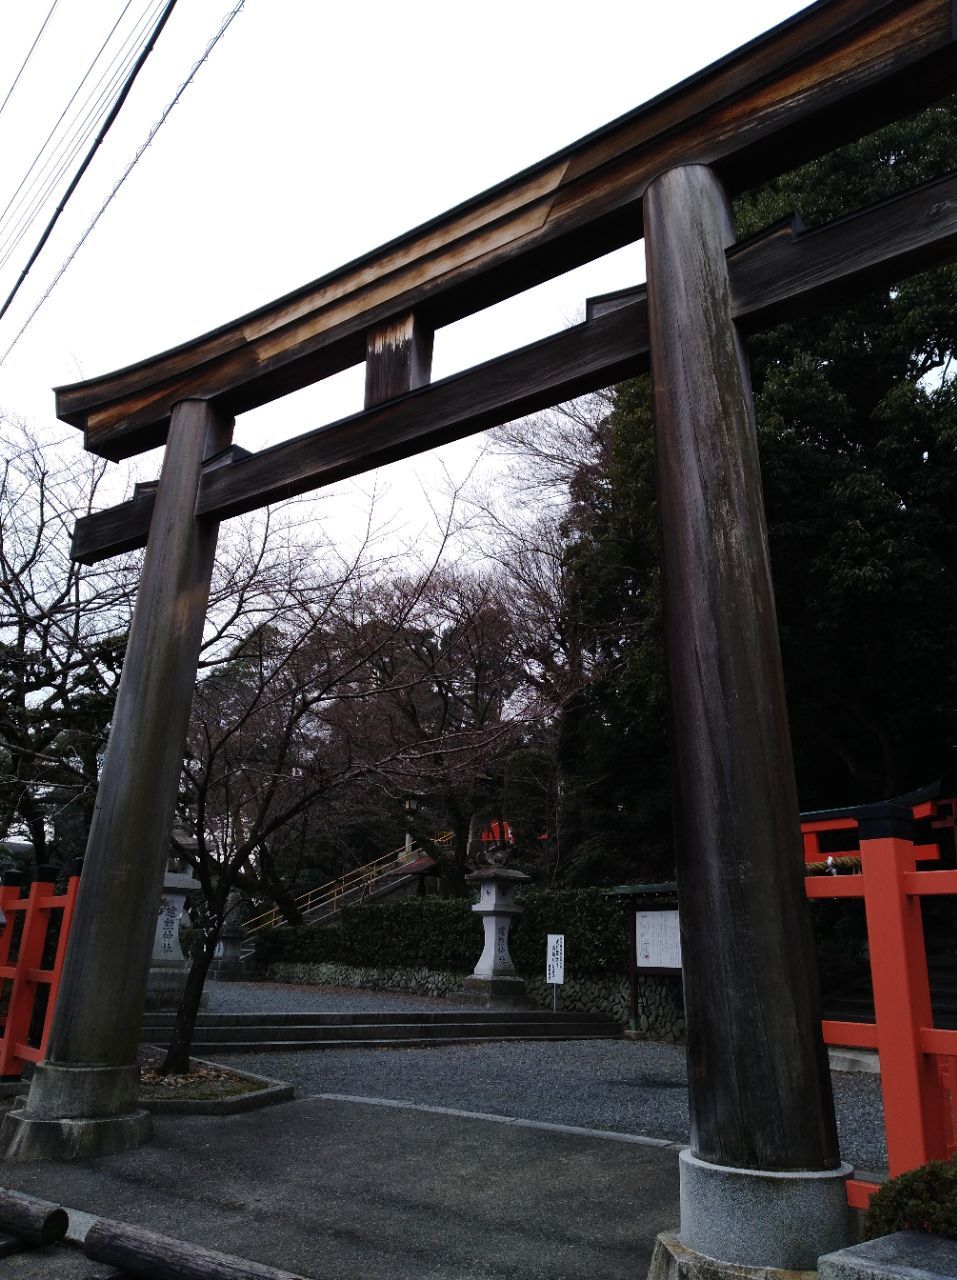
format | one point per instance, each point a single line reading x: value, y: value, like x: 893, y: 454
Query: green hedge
x: 595, y: 929
x: 923, y: 1199
x: 431, y: 933
x: 445, y: 934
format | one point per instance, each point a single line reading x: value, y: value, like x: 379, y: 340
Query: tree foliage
x: 857, y: 419
x: 857, y: 426
x: 62, y: 637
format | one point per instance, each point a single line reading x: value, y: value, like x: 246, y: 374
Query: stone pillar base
x: 24, y: 1137
x: 758, y: 1218
x: 74, y: 1111
x: 509, y: 992
x: 165, y: 987
x: 673, y: 1260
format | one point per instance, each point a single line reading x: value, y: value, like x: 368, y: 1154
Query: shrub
x: 430, y: 933
x: 445, y: 934
x: 923, y: 1199
x: 595, y: 929
x: 311, y: 942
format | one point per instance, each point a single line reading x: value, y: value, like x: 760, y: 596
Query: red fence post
x: 23, y: 990
x: 914, y: 1114
x: 25, y: 972
x: 9, y: 893
x: 68, y: 901
x: 947, y: 1069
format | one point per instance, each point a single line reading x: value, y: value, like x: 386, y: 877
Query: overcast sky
x: 315, y: 131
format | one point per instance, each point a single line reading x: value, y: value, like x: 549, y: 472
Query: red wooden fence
x: 918, y: 1060
x: 32, y: 947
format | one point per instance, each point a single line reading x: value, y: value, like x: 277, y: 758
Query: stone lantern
x: 494, y: 980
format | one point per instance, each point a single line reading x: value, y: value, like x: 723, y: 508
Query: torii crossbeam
x: 763, y: 1134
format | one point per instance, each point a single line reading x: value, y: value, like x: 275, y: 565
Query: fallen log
x: 38, y: 1222
x: 147, y: 1255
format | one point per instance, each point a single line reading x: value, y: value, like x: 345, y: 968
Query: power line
x: 70, y: 145
x: 114, y: 112
x: 36, y: 41
x: 69, y: 104
x: 77, y: 131
x: 227, y: 21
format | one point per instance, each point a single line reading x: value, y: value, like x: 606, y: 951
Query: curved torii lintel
x: 833, y: 71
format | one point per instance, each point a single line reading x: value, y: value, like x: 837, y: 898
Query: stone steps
x: 423, y: 1017
x: 205, y: 1048
x: 248, y: 1033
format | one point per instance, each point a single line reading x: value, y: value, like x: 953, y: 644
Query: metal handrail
x: 359, y: 878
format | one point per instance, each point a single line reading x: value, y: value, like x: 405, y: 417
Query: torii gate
x: 763, y: 1141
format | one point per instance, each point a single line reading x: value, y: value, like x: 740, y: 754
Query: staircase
x: 275, y: 1033
x: 320, y: 905
x: 855, y: 1001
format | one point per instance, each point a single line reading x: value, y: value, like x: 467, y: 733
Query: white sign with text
x: 658, y: 943
x: 555, y: 959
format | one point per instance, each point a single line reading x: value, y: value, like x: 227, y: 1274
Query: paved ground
x: 352, y: 1191
x: 340, y: 1184
x: 637, y: 1088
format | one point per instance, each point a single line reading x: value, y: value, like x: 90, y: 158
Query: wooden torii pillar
x: 762, y: 1121
x: 762, y: 1183
x: 83, y: 1096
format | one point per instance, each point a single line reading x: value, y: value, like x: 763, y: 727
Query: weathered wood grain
x: 38, y: 1222
x: 125, y: 526
x: 831, y: 72
x: 566, y: 365
x: 398, y: 359
x: 147, y: 1255
x: 113, y: 531
x: 758, y: 1083
x: 581, y: 359
x: 110, y: 942
x: 773, y: 276
x: 786, y: 270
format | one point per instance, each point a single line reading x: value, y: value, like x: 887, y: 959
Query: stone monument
x: 168, y: 965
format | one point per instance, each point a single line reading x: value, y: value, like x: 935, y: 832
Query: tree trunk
x: 570, y: 831
x: 180, y: 1044
x: 280, y: 895
x: 458, y: 869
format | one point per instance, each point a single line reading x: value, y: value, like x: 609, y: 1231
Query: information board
x: 658, y: 943
x: 555, y: 959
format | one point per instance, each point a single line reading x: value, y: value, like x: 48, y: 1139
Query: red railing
x: 32, y: 947
x: 918, y: 1060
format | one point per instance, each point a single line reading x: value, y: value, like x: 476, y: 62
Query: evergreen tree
x: 857, y: 426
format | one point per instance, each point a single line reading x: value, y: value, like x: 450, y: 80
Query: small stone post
x: 494, y: 978
x: 168, y: 965
x: 227, y: 963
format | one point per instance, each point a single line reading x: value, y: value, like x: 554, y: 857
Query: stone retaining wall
x: 661, y: 1014
x: 660, y: 1008
x: 415, y: 982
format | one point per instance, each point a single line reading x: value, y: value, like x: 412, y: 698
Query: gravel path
x: 596, y: 1084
